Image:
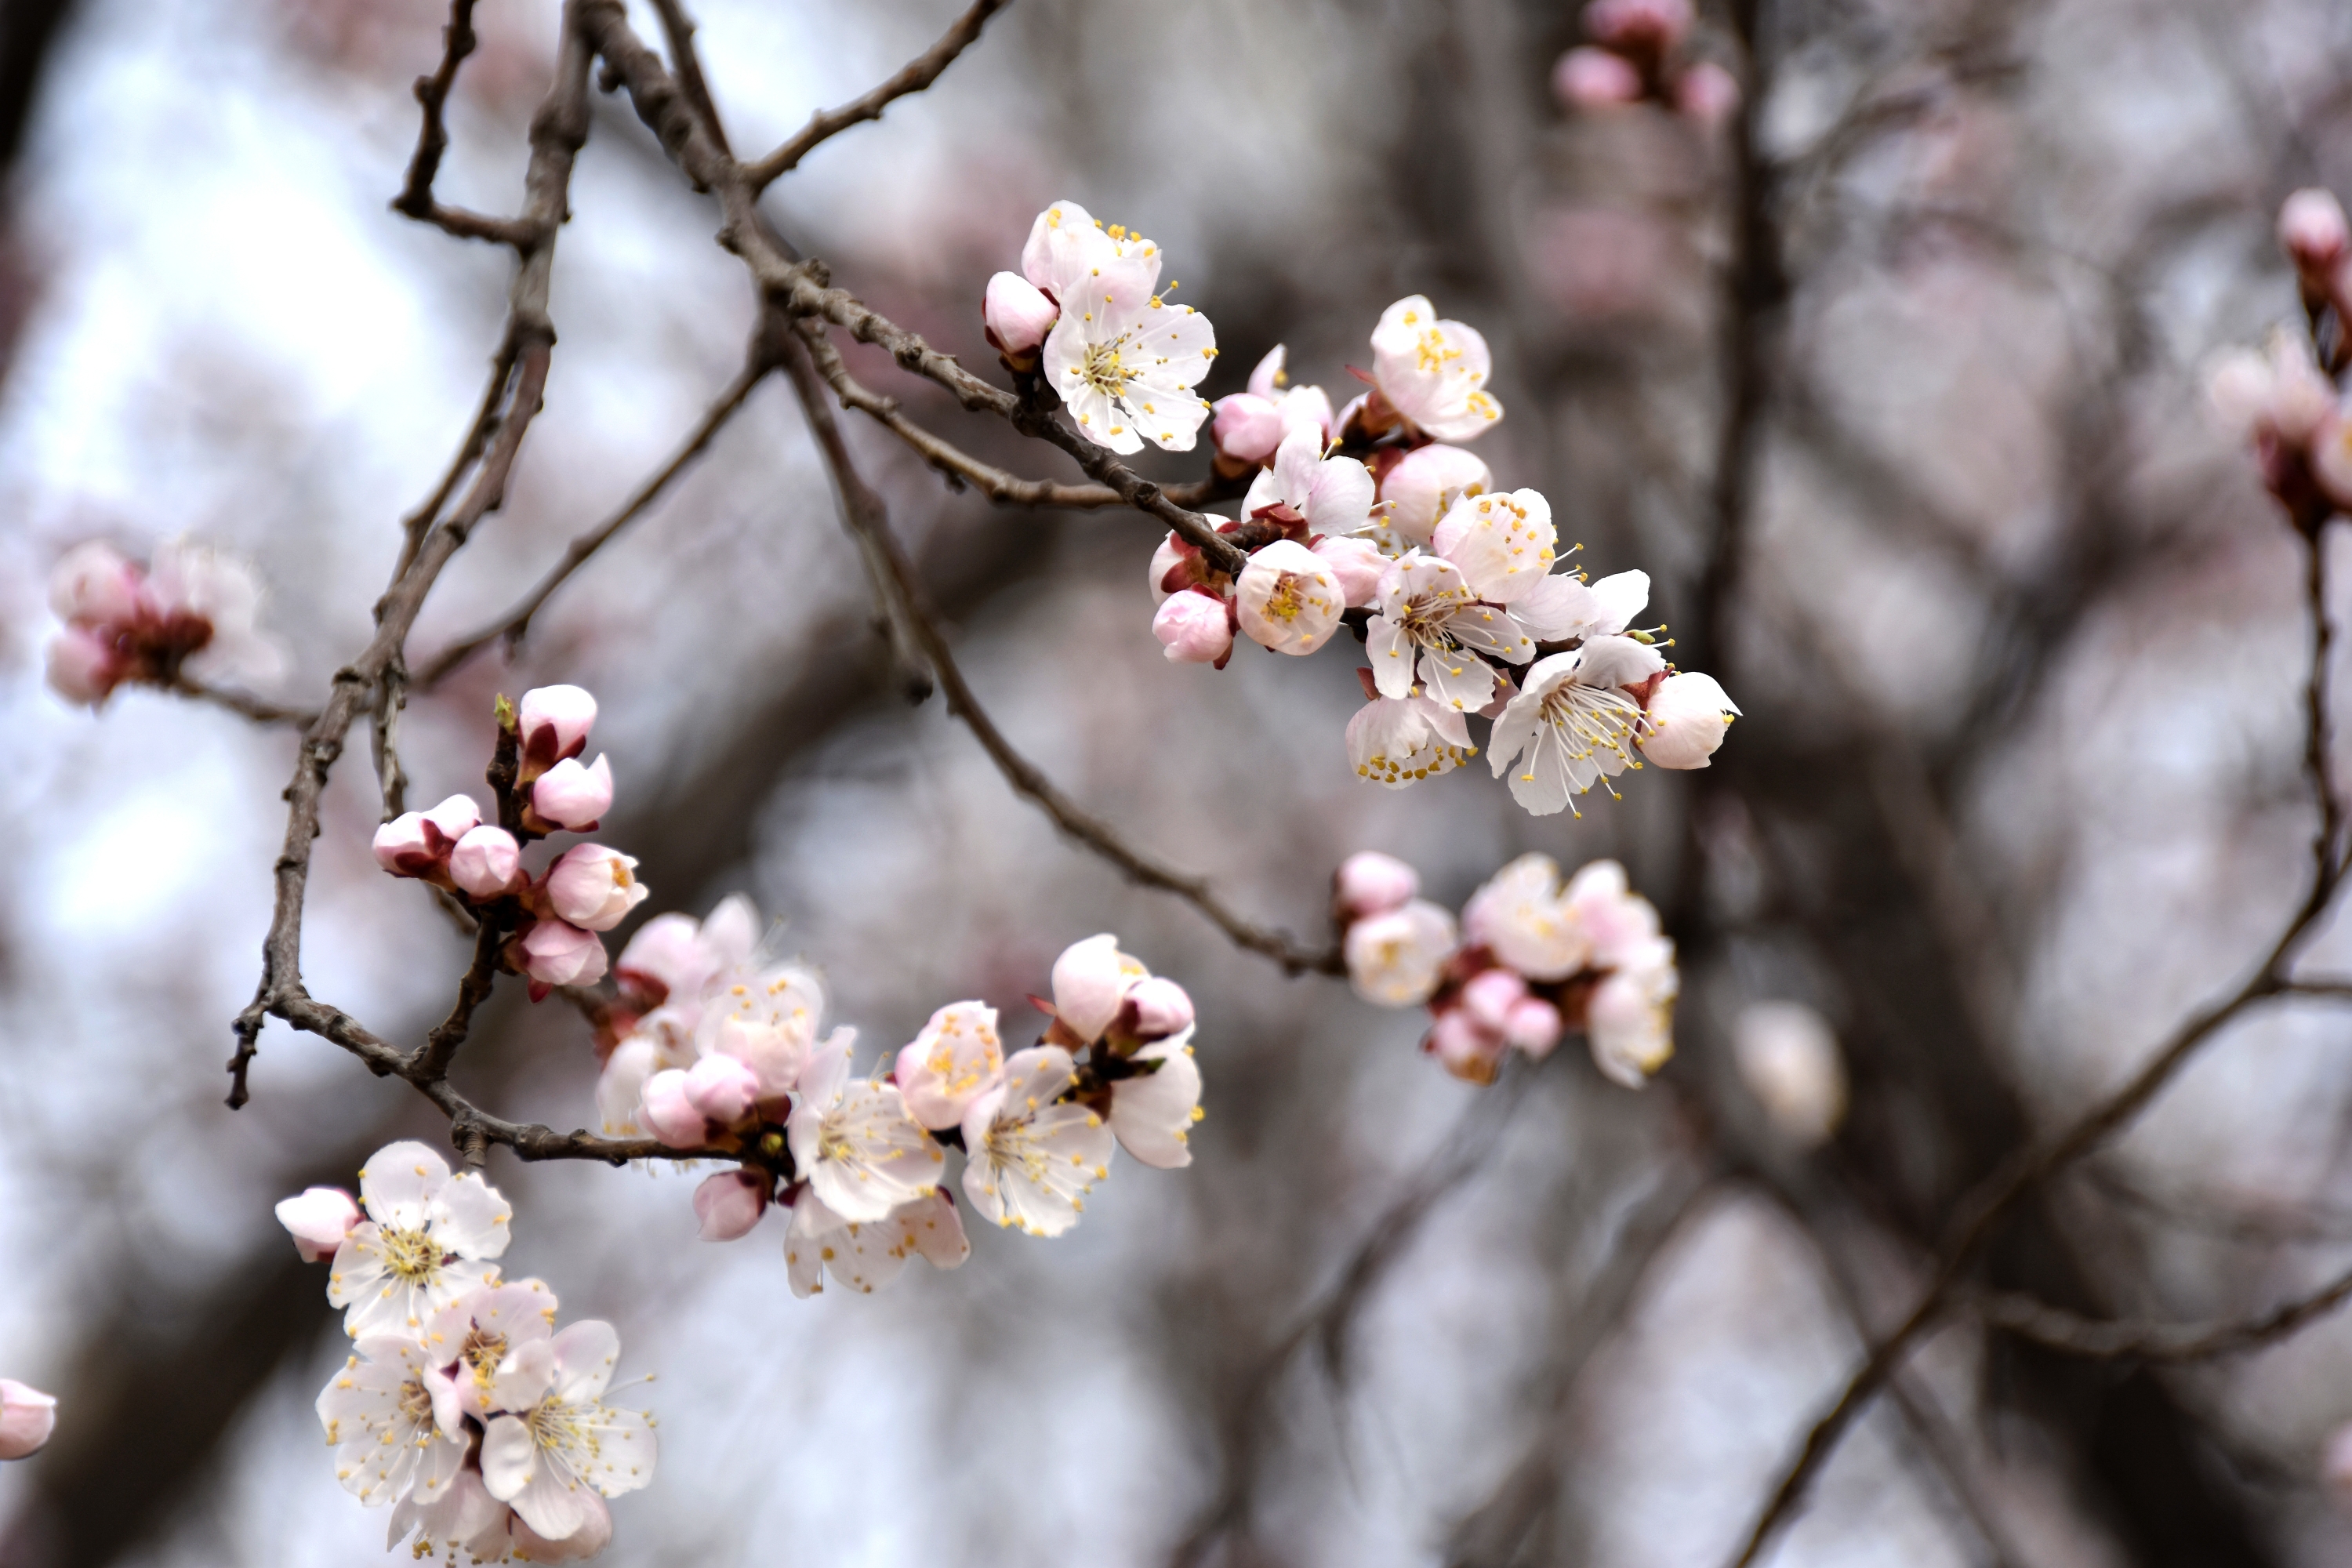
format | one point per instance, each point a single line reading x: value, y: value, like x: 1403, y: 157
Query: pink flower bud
x: 93, y: 585
x: 722, y: 1088
x: 1490, y: 995
x: 1654, y: 25
x: 553, y: 723
x: 404, y: 846
x: 1017, y: 315
x: 2312, y: 231
x: 1534, y: 1025
x: 1357, y: 563
x: 84, y: 666
x: 486, y: 863
x: 1426, y: 482
x: 574, y: 797
x: 318, y: 1220
x: 1164, y: 560
x: 2331, y: 456
x: 1246, y: 427
x: 27, y: 1417
x: 554, y: 954
x: 668, y: 1114
x: 1708, y: 94
x: 1288, y: 599
x: 1587, y: 77
x: 1160, y: 1008
x: 1687, y: 717
x: 1370, y: 883
x: 1193, y: 627
x: 453, y: 819
x: 1091, y: 979
x: 730, y: 1204
x: 1464, y: 1047
x: 594, y: 888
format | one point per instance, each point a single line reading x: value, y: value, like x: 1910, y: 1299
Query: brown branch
x: 865, y: 515
x: 259, y: 710
x: 2076, y: 1335
x: 515, y: 625
x: 415, y: 198
x: 918, y: 74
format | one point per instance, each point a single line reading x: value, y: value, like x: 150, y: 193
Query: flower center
x: 416, y: 1404
x: 411, y: 1255
x: 1592, y: 718
x: 1432, y: 352
x: 482, y: 1354
x: 1102, y: 369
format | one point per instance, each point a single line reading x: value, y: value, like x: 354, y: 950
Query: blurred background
x: 1901, y: 410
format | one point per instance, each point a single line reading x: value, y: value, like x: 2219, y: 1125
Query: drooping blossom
x: 1400, y: 741
x: 594, y: 888
x: 1031, y: 1156
x: 1433, y: 373
x: 318, y: 1220
x: 572, y: 797
x: 555, y: 953
x: 853, y: 1140
x: 1122, y: 359
x: 1395, y: 958
x: 27, y: 1417
x: 1788, y: 1058
x: 867, y: 1254
x: 1573, y: 722
x: 553, y: 1440
x: 552, y: 722
x: 429, y: 1238
x: 673, y: 957
x: 1152, y: 1112
x: 1686, y: 721
x: 379, y: 1417
x: 190, y: 611
x: 950, y: 1062
x: 1288, y: 599
x: 1370, y: 883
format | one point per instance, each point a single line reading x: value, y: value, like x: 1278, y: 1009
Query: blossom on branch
x: 1250, y: 426
x: 429, y: 1238
x: 867, y: 1255
x: 853, y: 1141
x: 27, y: 1417
x: 1030, y: 1156
x: 552, y: 723
x: 1288, y: 598
x: 552, y: 1441
x: 318, y: 1220
x: 1432, y: 373
x: 190, y: 613
x: 1120, y: 356
x: 381, y: 1419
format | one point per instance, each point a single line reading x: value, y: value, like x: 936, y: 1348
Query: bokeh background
x: 2016, y: 630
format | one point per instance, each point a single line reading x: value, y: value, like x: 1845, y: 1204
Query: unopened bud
x: 668, y: 1114
x: 729, y: 1204
x: 27, y: 1417
x: 594, y: 888
x: 1160, y: 1007
x: 318, y: 1220
x: 1370, y: 883
x: 722, y: 1088
x: 574, y: 797
x: 1708, y: 94
x: 1789, y: 1059
x: 84, y: 666
x: 94, y: 585
x: 2313, y: 231
x: 1355, y: 564
x: 487, y: 863
x: 553, y: 723
x: 556, y: 954
x: 1246, y: 427
x: 1017, y: 315
x: 1587, y: 77
x: 1193, y: 627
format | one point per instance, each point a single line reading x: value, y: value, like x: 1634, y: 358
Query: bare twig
x: 918, y: 74
x: 259, y: 710
x: 415, y: 198
x: 2076, y: 1335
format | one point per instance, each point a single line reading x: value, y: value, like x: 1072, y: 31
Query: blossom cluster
x: 714, y: 1048
x: 1529, y: 961
x: 189, y: 611
x: 1638, y: 54
x: 2279, y: 398
x: 27, y: 1417
x: 556, y: 916
x: 461, y: 1406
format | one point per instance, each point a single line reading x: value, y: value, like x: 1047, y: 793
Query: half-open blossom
x: 1153, y: 1113
x: 1091, y: 981
x: 1251, y: 425
x: 1528, y: 922
x: 1590, y: 78
x: 722, y: 1088
x: 1399, y: 742
x: 621, y: 1086
x: 2313, y: 231
x: 1433, y: 373
x: 1370, y: 883
x: 552, y: 722
x: 955, y: 1057
x: 1686, y: 721
x: 1572, y: 723
x: 418, y: 843
x: 1504, y: 545
x: 190, y: 611
x: 1288, y: 599
x: 867, y: 1254
x: 1030, y: 1156
x: 854, y: 1142
x: 1619, y: 927
x: 574, y: 797
x: 380, y: 1419
x: 473, y: 1336
x: 27, y: 1417
x: 727, y: 1205
x: 1423, y: 486
x: 1629, y: 1020
x: 1395, y: 958
x: 487, y: 863
x: 318, y: 1220
x: 1123, y: 361
x: 1195, y: 627
x: 673, y: 957
x: 594, y: 888
x: 555, y: 953
x: 768, y: 1021
x: 428, y: 1239
x: 1789, y: 1059
x: 1334, y: 495
x: 554, y: 1435
x: 1016, y: 315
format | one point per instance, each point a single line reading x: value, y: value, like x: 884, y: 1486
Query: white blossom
x: 390, y: 1442
x: 552, y: 1438
x: 1399, y: 742
x: 853, y: 1140
x: 1789, y: 1059
x: 1333, y: 494
x: 1030, y: 1156
x: 1686, y: 721
x: 1433, y: 373
x: 867, y: 1254
x: 1572, y: 721
x: 1629, y: 1020
x: 427, y: 1240
x: 1523, y: 916
x: 1396, y: 957
x: 1288, y: 598
x: 1426, y: 623
x: 1152, y: 1113
x: 1122, y: 359
x: 950, y: 1064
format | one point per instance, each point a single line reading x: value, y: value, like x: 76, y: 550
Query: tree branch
x: 2169, y: 1343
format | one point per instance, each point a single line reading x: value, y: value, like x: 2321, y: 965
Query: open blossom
x: 473, y: 1336
x: 1788, y: 1058
x: 570, y: 796
x: 673, y: 956
x: 1396, y: 957
x: 1423, y: 486
x: 594, y: 888
x: 1686, y: 721
x: 1334, y: 495
x: 1030, y: 1156
x: 867, y: 1254
x: 1572, y: 723
x: 955, y: 1057
x: 1524, y: 916
x: 190, y: 611
x: 552, y: 722
x: 1153, y: 1113
x: 381, y: 1419
x: 1122, y: 359
x: 1399, y: 742
x: 557, y: 954
x: 554, y: 1439
x: 428, y: 1239
x: 27, y: 1417
x: 1629, y: 1020
x: 854, y: 1142
x: 1288, y: 599
x: 1426, y: 621
x: 1433, y: 373
x: 318, y: 1220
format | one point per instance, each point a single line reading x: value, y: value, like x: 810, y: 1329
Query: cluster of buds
x: 27, y: 1417
x: 1637, y: 55
x: 189, y: 612
x: 462, y: 1408
x: 2284, y: 398
x: 714, y: 1050
x: 1529, y: 961
x: 541, y: 788
x: 1087, y: 302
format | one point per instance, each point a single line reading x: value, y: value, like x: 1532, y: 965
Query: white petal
x: 1391, y: 652
x: 1621, y: 598
x: 400, y: 1182
x: 473, y: 1218
x: 510, y: 1457
x: 1152, y: 1115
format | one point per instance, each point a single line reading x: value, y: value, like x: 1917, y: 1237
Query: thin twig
x: 259, y: 710
x: 2171, y: 1343
x: 415, y: 198
x: 918, y: 74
